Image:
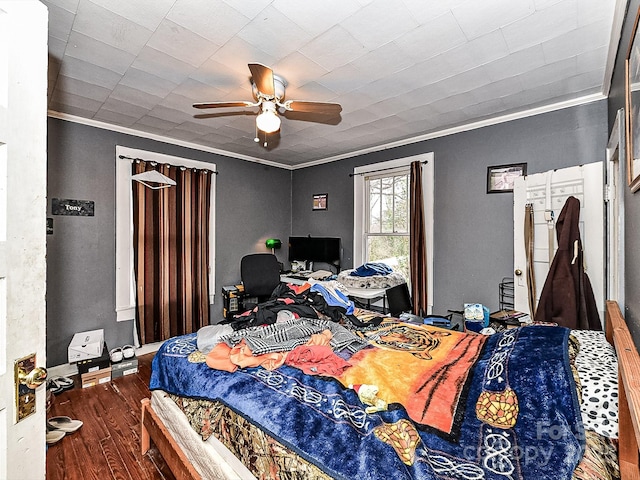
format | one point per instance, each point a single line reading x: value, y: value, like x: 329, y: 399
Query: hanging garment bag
x: 567, y: 296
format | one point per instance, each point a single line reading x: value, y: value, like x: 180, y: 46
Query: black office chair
x: 260, y: 273
x: 401, y: 306
x: 399, y: 300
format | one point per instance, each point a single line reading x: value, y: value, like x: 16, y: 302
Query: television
x: 315, y: 249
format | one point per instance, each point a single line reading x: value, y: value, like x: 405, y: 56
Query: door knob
x: 27, y: 378
x: 518, y: 272
x: 33, y: 378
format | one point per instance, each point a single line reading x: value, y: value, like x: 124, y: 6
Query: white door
x: 23, y: 169
x: 549, y: 191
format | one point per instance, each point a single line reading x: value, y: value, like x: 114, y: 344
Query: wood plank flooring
x: 107, y: 446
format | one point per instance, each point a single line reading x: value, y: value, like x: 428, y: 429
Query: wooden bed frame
x: 617, y: 334
x: 154, y: 430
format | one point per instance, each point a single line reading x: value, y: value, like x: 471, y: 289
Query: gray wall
x: 253, y: 203
x: 631, y: 309
x: 473, y: 230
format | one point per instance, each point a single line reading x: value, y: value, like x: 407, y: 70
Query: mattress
x: 211, y: 459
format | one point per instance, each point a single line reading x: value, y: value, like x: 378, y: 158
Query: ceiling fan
x: 269, y: 92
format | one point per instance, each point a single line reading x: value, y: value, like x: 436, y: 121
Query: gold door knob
x: 518, y: 272
x: 34, y: 378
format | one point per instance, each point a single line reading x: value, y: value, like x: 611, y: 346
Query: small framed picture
x: 320, y: 201
x: 500, y: 178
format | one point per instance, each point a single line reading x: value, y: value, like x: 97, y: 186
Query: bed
x: 283, y: 423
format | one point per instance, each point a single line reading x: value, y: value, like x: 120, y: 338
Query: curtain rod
x: 153, y: 162
x: 382, y: 169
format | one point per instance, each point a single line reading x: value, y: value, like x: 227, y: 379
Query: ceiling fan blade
x: 263, y: 78
x: 223, y: 104
x: 314, y: 107
x: 312, y: 117
x: 221, y: 113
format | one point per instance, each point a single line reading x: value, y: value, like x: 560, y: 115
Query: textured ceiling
x: 401, y: 69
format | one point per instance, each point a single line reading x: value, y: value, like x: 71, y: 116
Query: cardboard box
x: 89, y: 365
x: 86, y: 345
x: 96, y: 378
x: 128, y: 366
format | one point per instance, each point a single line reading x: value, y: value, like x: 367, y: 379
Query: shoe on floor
x: 54, y: 436
x: 54, y: 387
x: 64, y: 382
x: 116, y: 355
x: 59, y: 384
x: 128, y: 351
x: 64, y: 424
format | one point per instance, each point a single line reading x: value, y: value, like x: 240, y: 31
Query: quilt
x: 519, y: 416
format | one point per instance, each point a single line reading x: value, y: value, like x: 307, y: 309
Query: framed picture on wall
x: 500, y: 178
x: 320, y: 201
x: 632, y: 91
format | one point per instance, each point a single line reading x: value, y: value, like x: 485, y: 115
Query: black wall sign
x: 78, y: 208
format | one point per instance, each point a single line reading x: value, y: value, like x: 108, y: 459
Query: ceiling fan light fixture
x: 268, y: 121
x: 268, y: 89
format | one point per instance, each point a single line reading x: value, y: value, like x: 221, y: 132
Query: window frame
x: 125, y: 306
x: 361, y: 202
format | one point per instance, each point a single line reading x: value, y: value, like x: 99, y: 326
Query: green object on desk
x: 273, y: 243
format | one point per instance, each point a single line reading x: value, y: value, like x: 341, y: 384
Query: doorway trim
x: 614, y: 211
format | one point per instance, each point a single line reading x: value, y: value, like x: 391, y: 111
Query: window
x: 381, y: 215
x: 125, y: 281
x: 387, y: 224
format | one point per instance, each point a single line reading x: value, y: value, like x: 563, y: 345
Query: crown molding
x: 407, y: 141
x: 161, y: 138
x: 462, y: 128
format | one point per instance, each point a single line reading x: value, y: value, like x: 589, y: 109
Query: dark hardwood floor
x: 107, y: 446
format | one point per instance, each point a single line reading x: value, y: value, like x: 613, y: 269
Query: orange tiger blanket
x: 423, y: 368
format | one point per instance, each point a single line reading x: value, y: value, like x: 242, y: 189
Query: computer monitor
x: 315, y: 249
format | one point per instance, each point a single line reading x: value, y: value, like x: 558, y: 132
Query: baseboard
x: 70, y: 369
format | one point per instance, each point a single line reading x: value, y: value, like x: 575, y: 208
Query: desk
x: 293, y: 278
x: 367, y: 294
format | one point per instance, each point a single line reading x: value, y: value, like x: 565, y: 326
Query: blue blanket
x: 522, y: 417
x: 370, y: 269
